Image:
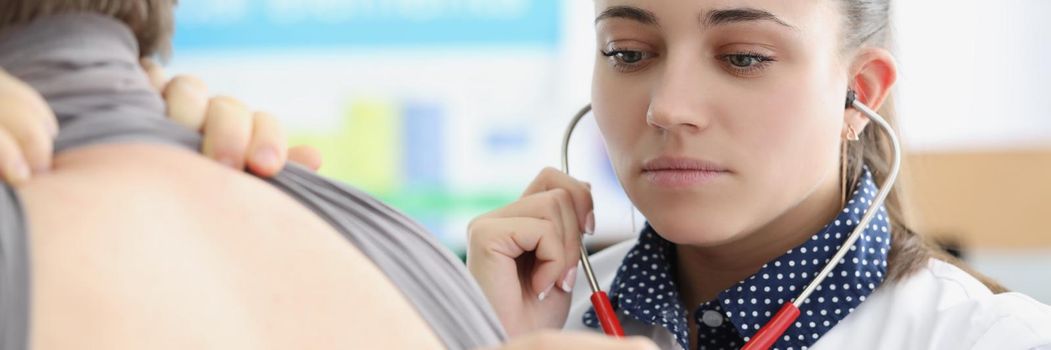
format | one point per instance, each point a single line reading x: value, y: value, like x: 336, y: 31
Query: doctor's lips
x: 681, y: 172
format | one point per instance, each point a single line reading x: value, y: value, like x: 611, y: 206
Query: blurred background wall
x: 446, y: 109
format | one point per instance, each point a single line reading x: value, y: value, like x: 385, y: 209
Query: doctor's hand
x: 549, y: 340
x: 233, y: 134
x: 524, y: 255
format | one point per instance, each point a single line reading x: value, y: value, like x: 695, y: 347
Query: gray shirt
x: 86, y: 67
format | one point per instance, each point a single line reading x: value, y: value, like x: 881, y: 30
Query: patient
x: 134, y: 234
x: 133, y: 240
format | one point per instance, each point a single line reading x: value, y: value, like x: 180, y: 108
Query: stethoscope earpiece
x: 851, y: 97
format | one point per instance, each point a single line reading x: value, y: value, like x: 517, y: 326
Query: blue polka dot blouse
x: 644, y: 287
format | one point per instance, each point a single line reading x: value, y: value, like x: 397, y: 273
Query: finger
x: 550, y: 178
x: 307, y: 156
x: 268, y: 147
x: 568, y: 278
x: 187, y: 101
x: 14, y: 167
x: 508, y: 238
x: 158, y: 77
x: 637, y: 343
x: 17, y: 93
x: 27, y: 121
x: 33, y: 141
x: 540, y: 205
x: 579, y: 340
x: 555, y: 206
x: 227, y: 130
x: 570, y: 238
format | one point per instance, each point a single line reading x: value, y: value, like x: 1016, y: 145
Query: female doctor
x: 726, y: 126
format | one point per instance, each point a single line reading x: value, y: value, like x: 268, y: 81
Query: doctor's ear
x: 873, y: 74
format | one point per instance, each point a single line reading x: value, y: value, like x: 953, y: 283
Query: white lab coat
x: 938, y: 307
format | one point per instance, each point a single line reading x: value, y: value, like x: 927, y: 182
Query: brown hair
x: 150, y: 20
x: 867, y: 23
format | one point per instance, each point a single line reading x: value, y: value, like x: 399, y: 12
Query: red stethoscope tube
x: 773, y: 329
x: 603, y: 308
x: 606, y: 316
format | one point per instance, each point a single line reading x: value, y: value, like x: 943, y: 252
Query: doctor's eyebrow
x: 737, y: 15
x: 710, y: 19
x: 628, y: 12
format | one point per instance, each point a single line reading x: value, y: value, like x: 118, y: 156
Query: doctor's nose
x: 677, y: 103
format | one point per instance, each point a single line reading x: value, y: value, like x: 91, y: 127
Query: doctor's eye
x: 625, y: 56
x: 746, y: 63
x: 627, y: 60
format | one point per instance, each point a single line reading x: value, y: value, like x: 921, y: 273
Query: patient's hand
x: 232, y: 133
x: 27, y: 129
x: 550, y: 340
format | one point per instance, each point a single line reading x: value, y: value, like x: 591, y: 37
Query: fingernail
x: 571, y: 277
x: 266, y: 157
x: 191, y: 91
x: 229, y: 163
x: 545, y: 293
x: 590, y: 224
x: 19, y: 172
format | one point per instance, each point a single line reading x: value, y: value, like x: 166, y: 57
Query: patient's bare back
x: 148, y: 246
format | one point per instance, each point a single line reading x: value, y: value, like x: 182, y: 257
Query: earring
x: 852, y: 135
x: 843, y: 174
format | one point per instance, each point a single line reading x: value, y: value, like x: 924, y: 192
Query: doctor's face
x: 720, y: 116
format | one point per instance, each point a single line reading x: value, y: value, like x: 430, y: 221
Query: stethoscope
x: 779, y: 323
